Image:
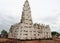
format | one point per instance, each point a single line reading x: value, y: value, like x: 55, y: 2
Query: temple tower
x: 26, y: 14
x: 26, y: 29
x: 26, y: 23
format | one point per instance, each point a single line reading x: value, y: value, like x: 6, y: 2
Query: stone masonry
x: 26, y: 29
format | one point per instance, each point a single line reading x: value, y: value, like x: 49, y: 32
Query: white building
x: 26, y: 29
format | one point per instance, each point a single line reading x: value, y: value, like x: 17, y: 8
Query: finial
x: 26, y: 0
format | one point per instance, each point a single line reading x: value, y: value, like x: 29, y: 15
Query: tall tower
x: 26, y: 14
x: 26, y: 23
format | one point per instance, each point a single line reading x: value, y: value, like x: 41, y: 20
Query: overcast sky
x: 42, y: 11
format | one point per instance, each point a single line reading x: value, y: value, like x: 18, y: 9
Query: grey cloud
x: 52, y: 20
x: 9, y: 8
x: 6, y: 20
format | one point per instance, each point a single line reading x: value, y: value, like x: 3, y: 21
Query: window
x: 34, y: 34
x: 20, y: 34
x: 34, y: 31
x: 21, y: 27
x: 25, y: 31
x: 16, y: 28
x: 30, y: 20
x: 15, y: 31
x: 26, y: 23
x: 30, y: 23
x: 38, y: 34
x: 26, y: 19
x: 25, y: 34
x: 47, y: 32
x: 38, y: 28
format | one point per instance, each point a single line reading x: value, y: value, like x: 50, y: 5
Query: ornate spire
x: 26, y: 13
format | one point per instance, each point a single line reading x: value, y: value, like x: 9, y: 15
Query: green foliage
x: 55, y: 33
x: 3, y: 32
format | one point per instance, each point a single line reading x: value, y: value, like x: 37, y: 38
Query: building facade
x: 26, y: 29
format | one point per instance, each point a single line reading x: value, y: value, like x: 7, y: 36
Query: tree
x: 55, y: 33
x: 3, y: 32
